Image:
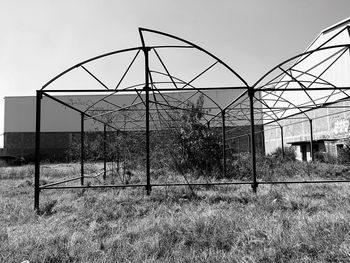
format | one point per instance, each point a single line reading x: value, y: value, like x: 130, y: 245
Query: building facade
x: 317, y: 117
x: 61, y: 126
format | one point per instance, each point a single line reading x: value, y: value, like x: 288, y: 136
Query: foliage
x: 288, y: 154
x: 240, y: 167
x: 196, y: 146
x: 119, y: 145
x: 325, y: 157
x: 188, y: 146
x: 344, y: 155
x: 274, y: 168
x: 124, y: 152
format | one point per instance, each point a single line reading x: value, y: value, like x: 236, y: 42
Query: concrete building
x: 60, y: 126
x: 319, y: 110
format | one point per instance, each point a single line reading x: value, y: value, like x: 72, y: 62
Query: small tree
x: 198, y: 148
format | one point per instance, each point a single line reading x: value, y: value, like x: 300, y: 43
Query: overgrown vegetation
x: 344, y: 155
x: 275, y: 167
x: 285, y: 223
x: 188, y: 147
x: 296, y: 223
x: 197, y: 148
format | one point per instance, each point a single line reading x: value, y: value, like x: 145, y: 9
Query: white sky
x: 41, y: 38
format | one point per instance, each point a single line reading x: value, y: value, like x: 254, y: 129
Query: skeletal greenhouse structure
x: 166, y: 73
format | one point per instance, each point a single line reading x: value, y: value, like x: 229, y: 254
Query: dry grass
x: 299, y: 223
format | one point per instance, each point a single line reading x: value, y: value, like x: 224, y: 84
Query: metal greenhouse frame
x: 263, y: 103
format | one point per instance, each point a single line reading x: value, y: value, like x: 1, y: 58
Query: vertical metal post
x: 82, y: 149
x: 148, y: 164
x: 252, y: 136
x: 263, y: 151
x: 37, y: 151
x: 249, y: 144
x: 223, y: 143
x: 311, y: 141
x: 238, y: 147
x: 116, y: 139
x: 261, y: 137
x: 282, y: 142
x: 104, y: 151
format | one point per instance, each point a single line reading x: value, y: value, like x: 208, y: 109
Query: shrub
x: 325, y: 157
x: 289, y: 154
x: 240, y: 168
x: 268, y: 167
x: 344, y: 155
x: 196, y: 146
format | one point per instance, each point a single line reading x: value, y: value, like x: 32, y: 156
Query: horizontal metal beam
x: 305, y: 182
x: 197, y: 184
x: 144, y: 185
x: 142, y: 90
x: 302, y: 89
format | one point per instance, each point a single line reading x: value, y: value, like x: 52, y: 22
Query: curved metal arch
x: 132, y: 89
x: 262, y: 101
x: 322, y: 81
x: 287, y: 82
x: 266, y: 105
x: 87, y: 61
x: 279, y: 66
x: 284, y: 100
x: 231, y: 103
x: 295, y: 57
x: 141, y: 30
x: 158, y: 90
x: 184, y: 82
x: 306, y: 56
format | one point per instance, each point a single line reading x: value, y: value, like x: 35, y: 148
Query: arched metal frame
x: 254, y: 101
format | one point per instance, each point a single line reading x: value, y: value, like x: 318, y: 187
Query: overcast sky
x: 41, y: 38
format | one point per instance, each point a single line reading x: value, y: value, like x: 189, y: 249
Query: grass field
x: 295, y: 223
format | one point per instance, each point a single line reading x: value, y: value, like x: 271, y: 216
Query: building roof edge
x: 339, y: 24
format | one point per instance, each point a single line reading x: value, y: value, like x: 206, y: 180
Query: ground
x: 285, y: 223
